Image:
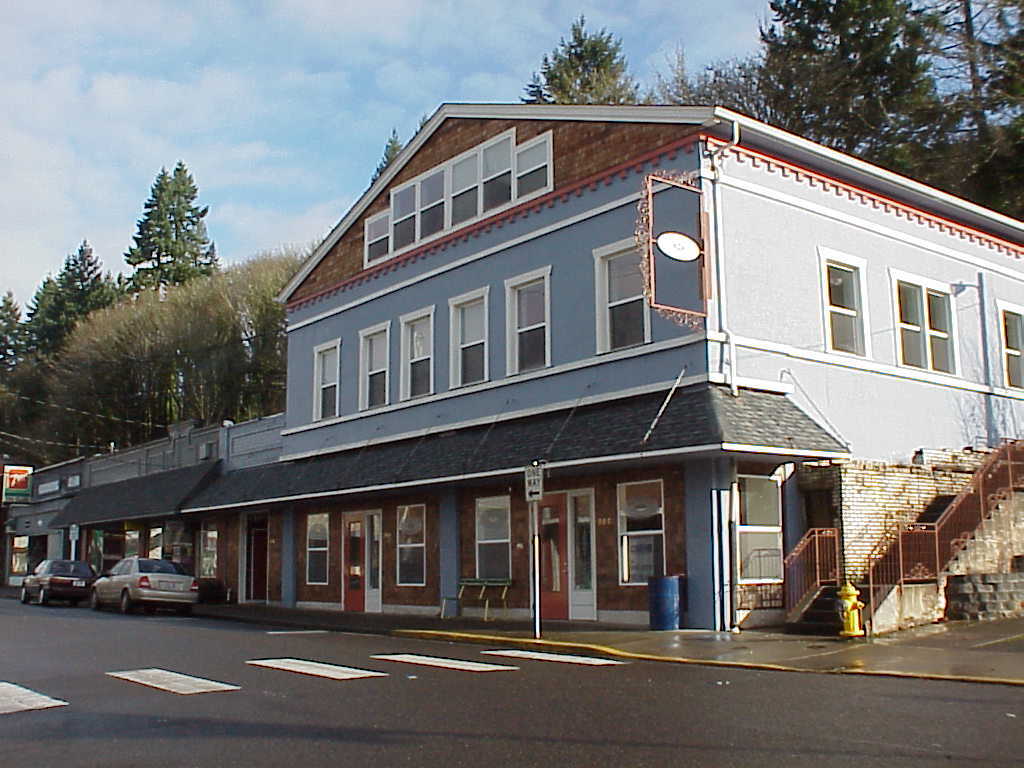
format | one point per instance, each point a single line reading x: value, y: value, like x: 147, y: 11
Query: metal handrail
x: 919, y: 552
x: 812, y: 563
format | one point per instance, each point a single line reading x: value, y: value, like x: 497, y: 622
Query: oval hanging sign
x: 678, y: 246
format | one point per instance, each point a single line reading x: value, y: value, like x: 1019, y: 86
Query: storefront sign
x: 16, y: 484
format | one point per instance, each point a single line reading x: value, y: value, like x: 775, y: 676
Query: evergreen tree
x: 45, y: 326
x: 853, y: 74
x: 171, y: 243
x: 391, y: 149
x: 10, y: 335
x: 588, y: 68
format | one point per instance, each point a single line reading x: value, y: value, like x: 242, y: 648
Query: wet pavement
x: 980, y: 652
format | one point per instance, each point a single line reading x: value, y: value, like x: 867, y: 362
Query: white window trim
x: 1001, y: 307
x: 364, y: 372
x: 828, y: 256
x: 926, y: 284
x: 406, y: 374
x: 545, y: 139
x: 511, y: 317
x: 507, y: 501
x: 366, y: 238
x: 741, y: 529
x: 399, y: 546
x: 327, y: 549
x: 620, y: 533
x: 446, y: 167
x: 602, y: 329
x: 336, y: 345
x: 455, y: 335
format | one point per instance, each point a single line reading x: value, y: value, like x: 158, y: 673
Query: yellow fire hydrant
x: 849, y: 608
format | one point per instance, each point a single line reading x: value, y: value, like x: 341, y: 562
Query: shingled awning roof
x: 703, y: 418
x: 156, y: 495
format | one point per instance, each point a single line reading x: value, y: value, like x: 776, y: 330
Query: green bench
x: 484, y: 585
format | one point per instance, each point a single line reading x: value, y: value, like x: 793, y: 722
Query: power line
x: 48, y: 442
x: 28, y: 399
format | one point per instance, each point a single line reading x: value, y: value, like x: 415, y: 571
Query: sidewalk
x: 987, y: 652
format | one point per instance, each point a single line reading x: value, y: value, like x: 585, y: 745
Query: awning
x: 705, y: 419
x: 156, y: 495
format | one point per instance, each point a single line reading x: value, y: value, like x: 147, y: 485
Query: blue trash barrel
x: 663, y: 602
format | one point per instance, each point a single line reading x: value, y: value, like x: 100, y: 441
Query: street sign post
x: 534, y: 478
x: 73, y: 531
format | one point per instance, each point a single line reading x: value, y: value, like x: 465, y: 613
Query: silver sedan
x: 148, y: 582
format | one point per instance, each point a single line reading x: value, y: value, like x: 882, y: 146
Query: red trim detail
x: 549, y: 200
x: 899, y: 209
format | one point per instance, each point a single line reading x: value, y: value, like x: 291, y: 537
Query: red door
x: 554, y: 562
x: 355, y: 599
x: 257, y: 559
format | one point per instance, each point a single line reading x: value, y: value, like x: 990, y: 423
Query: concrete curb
x: 520, y: 642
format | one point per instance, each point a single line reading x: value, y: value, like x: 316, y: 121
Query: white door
x: 582, y: 570
x: 373, y: 558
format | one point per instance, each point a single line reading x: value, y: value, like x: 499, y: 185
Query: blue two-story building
x: 487, y: 304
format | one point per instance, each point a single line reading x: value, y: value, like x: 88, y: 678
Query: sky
x: 279, y: 108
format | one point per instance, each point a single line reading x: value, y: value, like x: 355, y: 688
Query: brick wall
x: 873, y: 496
x: 580, y: 150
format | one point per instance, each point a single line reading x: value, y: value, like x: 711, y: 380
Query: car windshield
x: 71, y: 568
x: 159, y: 566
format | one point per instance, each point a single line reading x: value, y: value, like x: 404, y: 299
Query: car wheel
x: 44, y: 596
x: 73, y: 603
x: 24, y: 596
x: 94, y: 601
x: 126, y: 602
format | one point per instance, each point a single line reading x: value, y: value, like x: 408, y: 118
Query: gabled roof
x: 701, y: 419
x: 723, y: 123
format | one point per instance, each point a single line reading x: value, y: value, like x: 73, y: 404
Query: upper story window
x: 1013, y: 345
x: 325, y: 403
x: 623, y: 319
x: 378, y: 237
x: 926, y: 326
x: 373, y: 377
x: 418, y: 354
x: 487, y: 178
x: 468, y: 342
x: 844, y: 303
x: 528, y: 316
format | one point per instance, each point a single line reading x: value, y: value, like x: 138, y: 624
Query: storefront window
x: 411, y: 545
x: 131, y: 543
x: 208, y: 551
x: 582, y: 555
x: 156, y: 543
x: 759, y: 533
x: 493, y: 540
x: 19, y: 556
x: 641, y: 532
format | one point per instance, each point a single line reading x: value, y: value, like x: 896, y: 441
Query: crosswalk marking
x: 434, y: 661
x: 562, y: 657
x: 297, y: 632
x: 175, y: 682
x: 14, y: 698
x: 316, y: 668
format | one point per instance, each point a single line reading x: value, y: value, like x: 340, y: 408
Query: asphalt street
x: 532, y: 712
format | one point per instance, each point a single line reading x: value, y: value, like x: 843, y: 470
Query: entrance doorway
x: 361, y: 562
x: 567, y: 572
x: 554, y: 560
x: 256, y: 558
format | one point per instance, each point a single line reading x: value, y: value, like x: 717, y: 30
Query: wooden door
x: 554, y: 559
x: 257, y: 565
x: 355, y: 549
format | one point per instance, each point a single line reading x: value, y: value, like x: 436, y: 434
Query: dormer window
x: 486, y: 179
